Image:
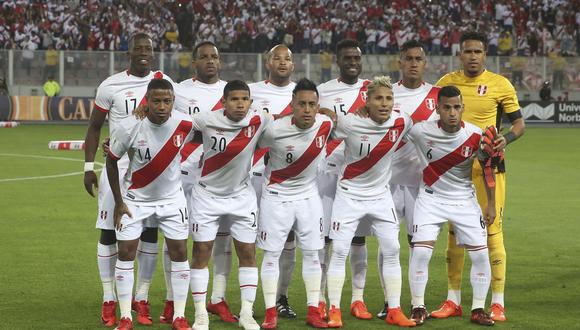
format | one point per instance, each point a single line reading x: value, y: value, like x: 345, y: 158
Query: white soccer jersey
x: 274, y: 100
x: 446, y: 158
x: 228, y: 148
x: 419, y: 104
x: 294, y: 157
x: 120, y: 94
x: 342, y: 98
x: 369, y: 148
x: 153, y: 177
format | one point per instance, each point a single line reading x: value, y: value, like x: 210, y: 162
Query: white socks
x: 222, y: 266
x: 311, y: 273
x: 106, y: 260
x: 167, y: 272
x: 198, y: 282
x: 391, y: 270
x: 336, y: 271
x: 180, y: 274
x: 287, y: 264
x: 270, y: 274
x: 480, y: 275
x: 124, y: 280
x: 358, y: 268
x: 147, y: 261
x: 324, y: 259
x: 419, y: 273
x: 497, y: 298
x: 248, y: 277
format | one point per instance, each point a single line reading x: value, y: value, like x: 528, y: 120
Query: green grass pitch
x: 48, y: 272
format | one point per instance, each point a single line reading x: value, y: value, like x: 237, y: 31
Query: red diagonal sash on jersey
x: 259, y: 154
x: 145, y: 175
x: 188, y: 149
x: 427, y: 106
x: 219, y: 105
x: 286, y: 111
x: 435, y: 169
x: 305, y: 160
x: 379, y: 151
x: 331, y: 145
x: 232, y: 149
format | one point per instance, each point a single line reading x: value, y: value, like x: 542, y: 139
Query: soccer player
x: 151, y: 192
x: 418, y: 99
x: 224, y: 197
x: 362, y: 196
x: 447, y: 148
x: 203, y: 93
x: 486, y: 96
x: 344, y: 95
x: 290, y: 201
x: 274, y: 96
x: 117, y: 97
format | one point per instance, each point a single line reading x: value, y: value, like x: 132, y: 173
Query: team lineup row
x: 339, y: 170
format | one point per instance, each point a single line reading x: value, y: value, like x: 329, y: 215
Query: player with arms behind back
x: 447, y: 148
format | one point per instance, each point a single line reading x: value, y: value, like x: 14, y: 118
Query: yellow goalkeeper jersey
x: 484, y: 96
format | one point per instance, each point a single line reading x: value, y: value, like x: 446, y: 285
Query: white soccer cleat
x: 247, y: 322
x: 201, y: 322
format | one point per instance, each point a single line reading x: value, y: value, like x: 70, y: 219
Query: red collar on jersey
x: 439, y: 123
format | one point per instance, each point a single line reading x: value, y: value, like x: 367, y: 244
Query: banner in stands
x: 551, y: 112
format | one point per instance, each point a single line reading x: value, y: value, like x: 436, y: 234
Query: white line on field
x: 46, y: 176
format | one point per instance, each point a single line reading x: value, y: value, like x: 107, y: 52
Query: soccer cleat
x: 125, y: 324
x: 108, y: 313
x: 322, y: 310
x: 383, y: 314
x: 419, y: 314
x: 222, y: 310
x: 447, y: 309
x: 247, y: 322
x: 314, y: 319
x: 271, y: 319
x: 143, y: 310
x: 167, y: 315
x: 395, y: 316
x: 180, y: 323
x: 359, y: 310
x: 497, y: 313
x: 479, y: 316
x: 284, y: 309
x: 201, y: 322
x: 334, y: 317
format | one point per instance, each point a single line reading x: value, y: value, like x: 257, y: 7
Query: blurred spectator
x: 50, y: 62
x: 325, y: 65
x: 51, y: 87
x: 3, y: 87
x: 546, y: 92
x: 504, y: 47
x: 558, y: 65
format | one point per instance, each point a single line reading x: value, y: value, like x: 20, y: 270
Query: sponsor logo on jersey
x: 364, y: 138
x: 430, y: 104
x: 141, y: 143
x: 219, y: 131
x: 397, y: 107
x: 192, y: 101
x: 250, y: 131
x: 393, y: 135
x: 290, y: 148
x: 178, y: 140
x: 129, y: 94
x: 430, y: 143
x: 466, y: 151
x: 320, y: 142
x: 338, y: 100
x: 265, y: 103
x: 481, y: 90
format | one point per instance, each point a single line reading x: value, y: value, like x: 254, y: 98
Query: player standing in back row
x: 343, y: 95
x: 117, y: 97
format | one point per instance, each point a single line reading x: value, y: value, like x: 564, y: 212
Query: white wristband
x: 89, y: 166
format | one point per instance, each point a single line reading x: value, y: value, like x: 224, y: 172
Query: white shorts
x: 171, y: 218
x: 378, y: 214
x: 257, y: 180
x: 404, y: 199
x: 432, y: 212
x: 278, y: 218
x: 237, y: 215
x: 327, y: 189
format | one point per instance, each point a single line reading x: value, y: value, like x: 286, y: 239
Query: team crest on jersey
x: 364, y: 95
x: 393, y: 135
x: 364, y: 138
x: 481, y: 90
x: 430, y: 104
x: 320, y: 142
x: 466, y: 151
x: 178, y: 140
x: 250, y: 131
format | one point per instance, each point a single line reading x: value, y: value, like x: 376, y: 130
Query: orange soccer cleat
x: 167, y: 316
x: 497, y: 313
x: 359, y: 310
x: 222, y: 310
x: 314, y: 319
x: 479, y: 316
x: 180, y: 323
x: 125, y: 324
x: 143, y: 310
x: 447, y: 309
x: 271, y: 319
x: 108, y: 316
x: 322, y: 310
x: 334, y: 317
x: 395, y: 316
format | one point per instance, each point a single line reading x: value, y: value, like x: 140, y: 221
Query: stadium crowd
x: 522, y: 27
